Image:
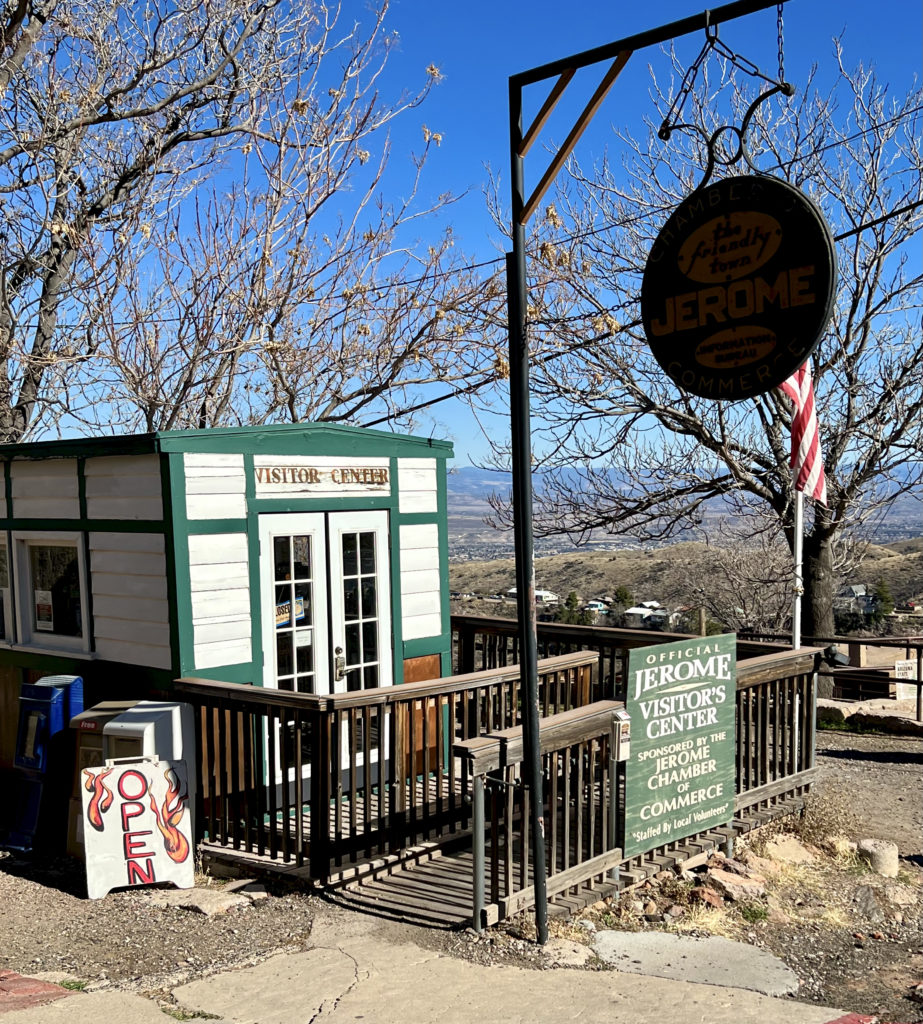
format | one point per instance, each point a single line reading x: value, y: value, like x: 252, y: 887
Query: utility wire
x: 625, y: 222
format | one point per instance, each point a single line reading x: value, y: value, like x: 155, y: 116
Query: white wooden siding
x: 124, y: 487
x: 45, y: 489
x: 215, y: 486
x: 417, y: 485
x: 219, y: 574
x: 131, y: 614
x: 421, y: 600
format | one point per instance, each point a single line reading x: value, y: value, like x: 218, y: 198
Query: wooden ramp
x: 434, y: 891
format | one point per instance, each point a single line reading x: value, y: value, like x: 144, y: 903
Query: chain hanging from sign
x: 739, y: 283
x: 717, y: 152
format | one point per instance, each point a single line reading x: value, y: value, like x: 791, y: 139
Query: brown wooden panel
x: 418, y: 670
x: 10, y: 683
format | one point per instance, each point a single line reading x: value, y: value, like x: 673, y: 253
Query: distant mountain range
x: 469, y: 489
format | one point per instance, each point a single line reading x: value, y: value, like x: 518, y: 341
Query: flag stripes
x: 807, y: 460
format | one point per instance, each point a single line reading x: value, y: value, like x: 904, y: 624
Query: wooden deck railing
x: 331, y: 781
x: 583, y: 789
x: 484, y: 642
x: 776, y: 695
x: 579, y: 810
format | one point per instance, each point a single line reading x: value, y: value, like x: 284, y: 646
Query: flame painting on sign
x: 150, y: 799
x: 101, y: 800
x: 169, y: 814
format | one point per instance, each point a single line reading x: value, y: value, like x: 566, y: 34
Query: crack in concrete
x: 322, y: 1010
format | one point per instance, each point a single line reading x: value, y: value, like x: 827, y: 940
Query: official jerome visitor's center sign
x: 738, y: 287
x: 680, y: 776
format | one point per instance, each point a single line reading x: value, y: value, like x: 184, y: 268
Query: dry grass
x: 720, y: 921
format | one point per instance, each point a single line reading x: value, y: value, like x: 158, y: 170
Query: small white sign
x: 137, y: 825
x: 44, y: 612
x: 906, y: 668
x: 319, y: 476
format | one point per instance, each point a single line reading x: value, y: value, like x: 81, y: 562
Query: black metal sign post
x: 563, y: 70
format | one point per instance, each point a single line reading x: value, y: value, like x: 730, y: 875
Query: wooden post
x: 477, y: 799
x: 321, y: 772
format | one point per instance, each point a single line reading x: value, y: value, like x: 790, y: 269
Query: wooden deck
x: 435, y: 889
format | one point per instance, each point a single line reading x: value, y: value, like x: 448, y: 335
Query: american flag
x: 807, y: 461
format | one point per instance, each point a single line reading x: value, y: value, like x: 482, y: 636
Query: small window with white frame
x: 51, y: 590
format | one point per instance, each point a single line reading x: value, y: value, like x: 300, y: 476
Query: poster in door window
x: 44, y: 613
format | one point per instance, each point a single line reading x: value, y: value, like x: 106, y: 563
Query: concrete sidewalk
x: 354, y: 973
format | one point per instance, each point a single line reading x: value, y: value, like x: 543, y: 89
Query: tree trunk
x: 817, y: 605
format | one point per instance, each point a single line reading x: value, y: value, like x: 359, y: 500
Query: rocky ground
x: 854, y: 938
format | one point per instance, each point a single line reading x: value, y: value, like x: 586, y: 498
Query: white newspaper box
x: 137, y: 825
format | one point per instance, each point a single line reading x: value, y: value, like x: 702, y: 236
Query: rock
x: 202, y: 901
x: 566, y: 953
x: 675, y: 912
x: 650, y: 907
x: 868, y: 905
x: 663, y: 876
x: 777, y: 913
x: 735, y: 887
x: 636, y: 907
x: 881, y: 856
x: 900, y: 895
x: 587, y: 926
x: 788, y: 850
x: 831, y: 712
x: 237, y: 884
x: 689, y: 876
x: 255, y: 891
x: 761, y: 865
x: 602, y: 905
x: 709, y: 896
x: 916, y: 993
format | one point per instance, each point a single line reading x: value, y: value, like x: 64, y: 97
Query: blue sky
x: 479, y: 44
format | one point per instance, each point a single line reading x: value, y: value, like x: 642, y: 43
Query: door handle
x: 339, y: 663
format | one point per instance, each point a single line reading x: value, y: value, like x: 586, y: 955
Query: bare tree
x: 194, y: 229
x: 627, y: 451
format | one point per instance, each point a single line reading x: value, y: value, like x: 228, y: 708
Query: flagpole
x: 799, y: 576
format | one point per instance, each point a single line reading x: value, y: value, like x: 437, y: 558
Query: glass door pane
x: 294, y: 602
x: 360, y: 599
x: 295, y: 611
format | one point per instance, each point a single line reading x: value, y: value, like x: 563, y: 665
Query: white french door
x: 325, y: 602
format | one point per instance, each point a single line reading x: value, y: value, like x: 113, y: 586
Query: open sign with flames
x: 137, y: 825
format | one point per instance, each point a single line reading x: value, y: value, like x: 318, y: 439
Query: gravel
x: 849, y: 945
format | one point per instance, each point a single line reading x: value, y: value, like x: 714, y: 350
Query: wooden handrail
x: 246, y: 693
x: 766, y: 667
x: 505, y: 747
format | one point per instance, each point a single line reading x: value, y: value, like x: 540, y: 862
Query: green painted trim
x: 257, y: 667
x: 424, y: 646
x: 88, y: 525
x: 397, y: 616
x: 422, y: 519
x: 182, y: 582
x: 203, y: 527
x: 169, y: 546
x: 243, y: 673
x: 277, y: 439
x: 442, y: 509
x: 92, y: 669
x: 85, y: 539
x: 374, y: 503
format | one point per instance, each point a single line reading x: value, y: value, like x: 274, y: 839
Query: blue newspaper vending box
x: 41, y: 782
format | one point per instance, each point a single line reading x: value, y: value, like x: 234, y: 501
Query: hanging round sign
x: 738, y: 287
